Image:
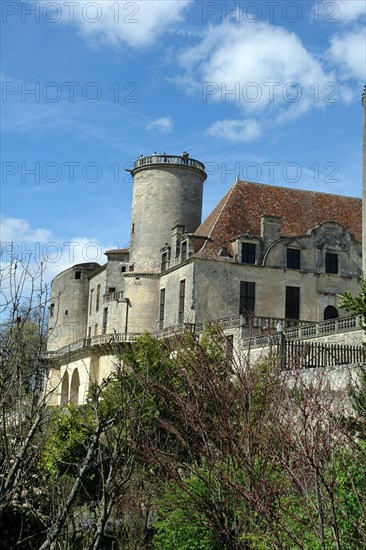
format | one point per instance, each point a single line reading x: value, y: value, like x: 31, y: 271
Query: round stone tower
x: 167, y: 192
x: 69, y: 306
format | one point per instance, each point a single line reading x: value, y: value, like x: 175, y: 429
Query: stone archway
x: 74, y: 390
x: 65, y: 390
x: 330, y: 312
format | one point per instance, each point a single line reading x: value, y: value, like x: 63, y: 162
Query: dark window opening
x: 184, y: 251
x: 52, y: 310
x: 292, y: 308
x: 182, y: 294
x: 330, y: 312
x: 91, y: 300
x: 247, y: 298
x: 123, y: 269
x: 97, y: 301
x: 111, y: 289
x: 293, y: 258
x: 161, y: 309
x: 331, y: 263
x: 248, y: 253
x: 133, y: 228
x: 164, y: 261
x: 105, y: 320
x: 77, y: 274
x: 66, y: 311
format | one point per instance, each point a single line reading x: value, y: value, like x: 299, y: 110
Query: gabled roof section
x: 240, y: 210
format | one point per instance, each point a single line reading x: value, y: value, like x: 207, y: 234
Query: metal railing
x: 168, y: 159
x: 315, y: 355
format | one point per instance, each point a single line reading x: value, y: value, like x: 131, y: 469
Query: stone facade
x: 263, y: 252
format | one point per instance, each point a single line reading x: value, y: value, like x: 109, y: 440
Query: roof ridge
x: 297, y: 190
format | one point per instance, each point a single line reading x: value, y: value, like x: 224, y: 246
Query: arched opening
x: 65, y: 390
x: 330, y: 312
x: 74, y: 390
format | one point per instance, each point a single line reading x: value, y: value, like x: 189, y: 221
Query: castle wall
x: 217, y: 290
x: 171, y: 282
x: 142, y: 291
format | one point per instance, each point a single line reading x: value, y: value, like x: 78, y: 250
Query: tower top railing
x: 182, y: 160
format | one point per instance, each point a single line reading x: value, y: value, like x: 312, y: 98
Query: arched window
x: 74, y: 390
x: 65, y: 390
x: 330, y: 312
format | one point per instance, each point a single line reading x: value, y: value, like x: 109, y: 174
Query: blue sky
x: 268, y: 90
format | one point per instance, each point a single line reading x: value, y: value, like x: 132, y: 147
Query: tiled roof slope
x: 240, y: 211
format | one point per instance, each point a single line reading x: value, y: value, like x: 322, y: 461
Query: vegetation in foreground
x: 185, y: 446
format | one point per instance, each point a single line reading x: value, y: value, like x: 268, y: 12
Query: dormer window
x: 184, y: 251
x: 248, y: 252
x: 164, y: 261
x: 331, y: 263
x: 293, y: 258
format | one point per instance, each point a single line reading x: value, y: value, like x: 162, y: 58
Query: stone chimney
x: 270, y: 229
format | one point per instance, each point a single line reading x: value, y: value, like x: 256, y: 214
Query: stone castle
x: 264, y: 255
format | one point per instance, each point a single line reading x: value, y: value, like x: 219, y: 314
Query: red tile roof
x: 240, y: 211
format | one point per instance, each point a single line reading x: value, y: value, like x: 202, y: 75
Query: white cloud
x: 137, y: 23
x: 36, y: 247
x: 344, y: 10
x: 348, y: 51
x: 268, y: 68
x: 18, y: 230
x: 163, y: 125
x: 235, y: 130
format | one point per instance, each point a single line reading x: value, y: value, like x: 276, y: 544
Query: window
x: 97, y: 301
x: 247, y: 298
x: 161, y: 309
x: 182, y: 293
x: 89, y: 333
x: 164, y: 261
x: 293, y: 258
x: 77, y: 274
x: 184, y: 251
x: 248, y: 253
x: 331, y: 263
x: 123, y: 269
x: 91, y: 300
x: 292, y: 309
x: 66, y: 311
x: 52, y: 310
x: 105, y: 320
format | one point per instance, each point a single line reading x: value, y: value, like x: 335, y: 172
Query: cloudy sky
x: 266, y: 90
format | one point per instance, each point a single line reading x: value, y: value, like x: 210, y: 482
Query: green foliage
x: 179, y: 523
x: 356, y: 305
x: 67, y: 445
x: 351, y: 496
